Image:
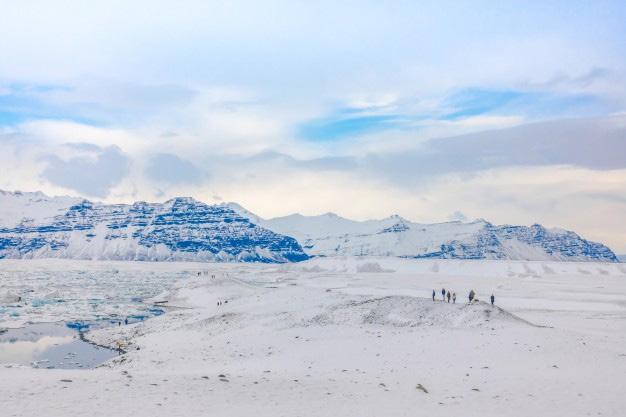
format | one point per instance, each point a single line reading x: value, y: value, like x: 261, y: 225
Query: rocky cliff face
x: 179, y: 229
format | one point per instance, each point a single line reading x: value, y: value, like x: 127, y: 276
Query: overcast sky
x: 510, y: 111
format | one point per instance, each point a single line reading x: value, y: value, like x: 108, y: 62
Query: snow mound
x: 314, y: 268
x: 9, y: 297
x: 371, y: 267
x: 403, y: 311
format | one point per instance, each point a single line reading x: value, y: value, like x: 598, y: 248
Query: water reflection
x: 50, y: 345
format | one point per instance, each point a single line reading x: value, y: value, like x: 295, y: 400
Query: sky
x: 511, y: 111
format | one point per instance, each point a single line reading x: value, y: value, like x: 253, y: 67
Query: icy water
x: 50, y: 345
x: 89, y: 294
x: 45, y: 305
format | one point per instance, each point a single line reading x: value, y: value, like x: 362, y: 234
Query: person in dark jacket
x: 453, y: 298
x: 448, y: 296
x: 472, y: 294
x: 493, y: 299
x: 433, y: 295
x: 443, y: 294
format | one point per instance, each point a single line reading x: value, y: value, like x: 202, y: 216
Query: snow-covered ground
x: 353, y: 337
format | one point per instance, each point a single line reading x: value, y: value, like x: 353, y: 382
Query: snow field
x: 320, y: 338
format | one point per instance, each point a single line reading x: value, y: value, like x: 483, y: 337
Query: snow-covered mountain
x: 35, y: 226
x: 331, y: 235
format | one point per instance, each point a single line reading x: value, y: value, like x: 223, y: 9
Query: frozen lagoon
x: 93, y: 293
x: 46, y: 307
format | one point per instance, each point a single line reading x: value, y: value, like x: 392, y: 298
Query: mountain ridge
x: 332, y: 235
x: 182, y: 228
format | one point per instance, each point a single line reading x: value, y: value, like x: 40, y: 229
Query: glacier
x: 33, y: 225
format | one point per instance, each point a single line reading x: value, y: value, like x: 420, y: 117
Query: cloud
x: 171, y: 169
x: 85, y: 147
x: 91, y: 100
x: 565, y: 80
x: 457, y: 216
x: 469, y: 109
x: 91, y: 175
x: 589, y: 143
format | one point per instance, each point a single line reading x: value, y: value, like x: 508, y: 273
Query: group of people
x: 200, y: 273
x: 119, y: 323
x: 445, y: 294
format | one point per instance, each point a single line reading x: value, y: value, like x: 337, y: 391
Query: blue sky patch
x: 336, y: 128
x: 22, y: 103
x: 473, y: 102
x: 533, y: 104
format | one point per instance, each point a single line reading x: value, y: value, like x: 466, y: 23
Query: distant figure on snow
x: 126, y: 321
x: 453, y: 298
x: 472, y: 294
x: 493, y: 299
x: 448, y: 296
x: 443, y: 294
x: 433, y: 295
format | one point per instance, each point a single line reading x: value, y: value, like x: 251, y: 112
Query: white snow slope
x: 31, y: 208
x: 353, y: 337
x: 332, y: 235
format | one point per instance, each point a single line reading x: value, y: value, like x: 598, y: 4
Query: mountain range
x: 33, y: 225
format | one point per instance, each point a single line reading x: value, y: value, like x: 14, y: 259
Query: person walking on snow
x: 443, y: 294
x: 471, y: 296
x: 433, y: 295
x: 453, y: 298
x: 448, y: 296
x: 493, y: 299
